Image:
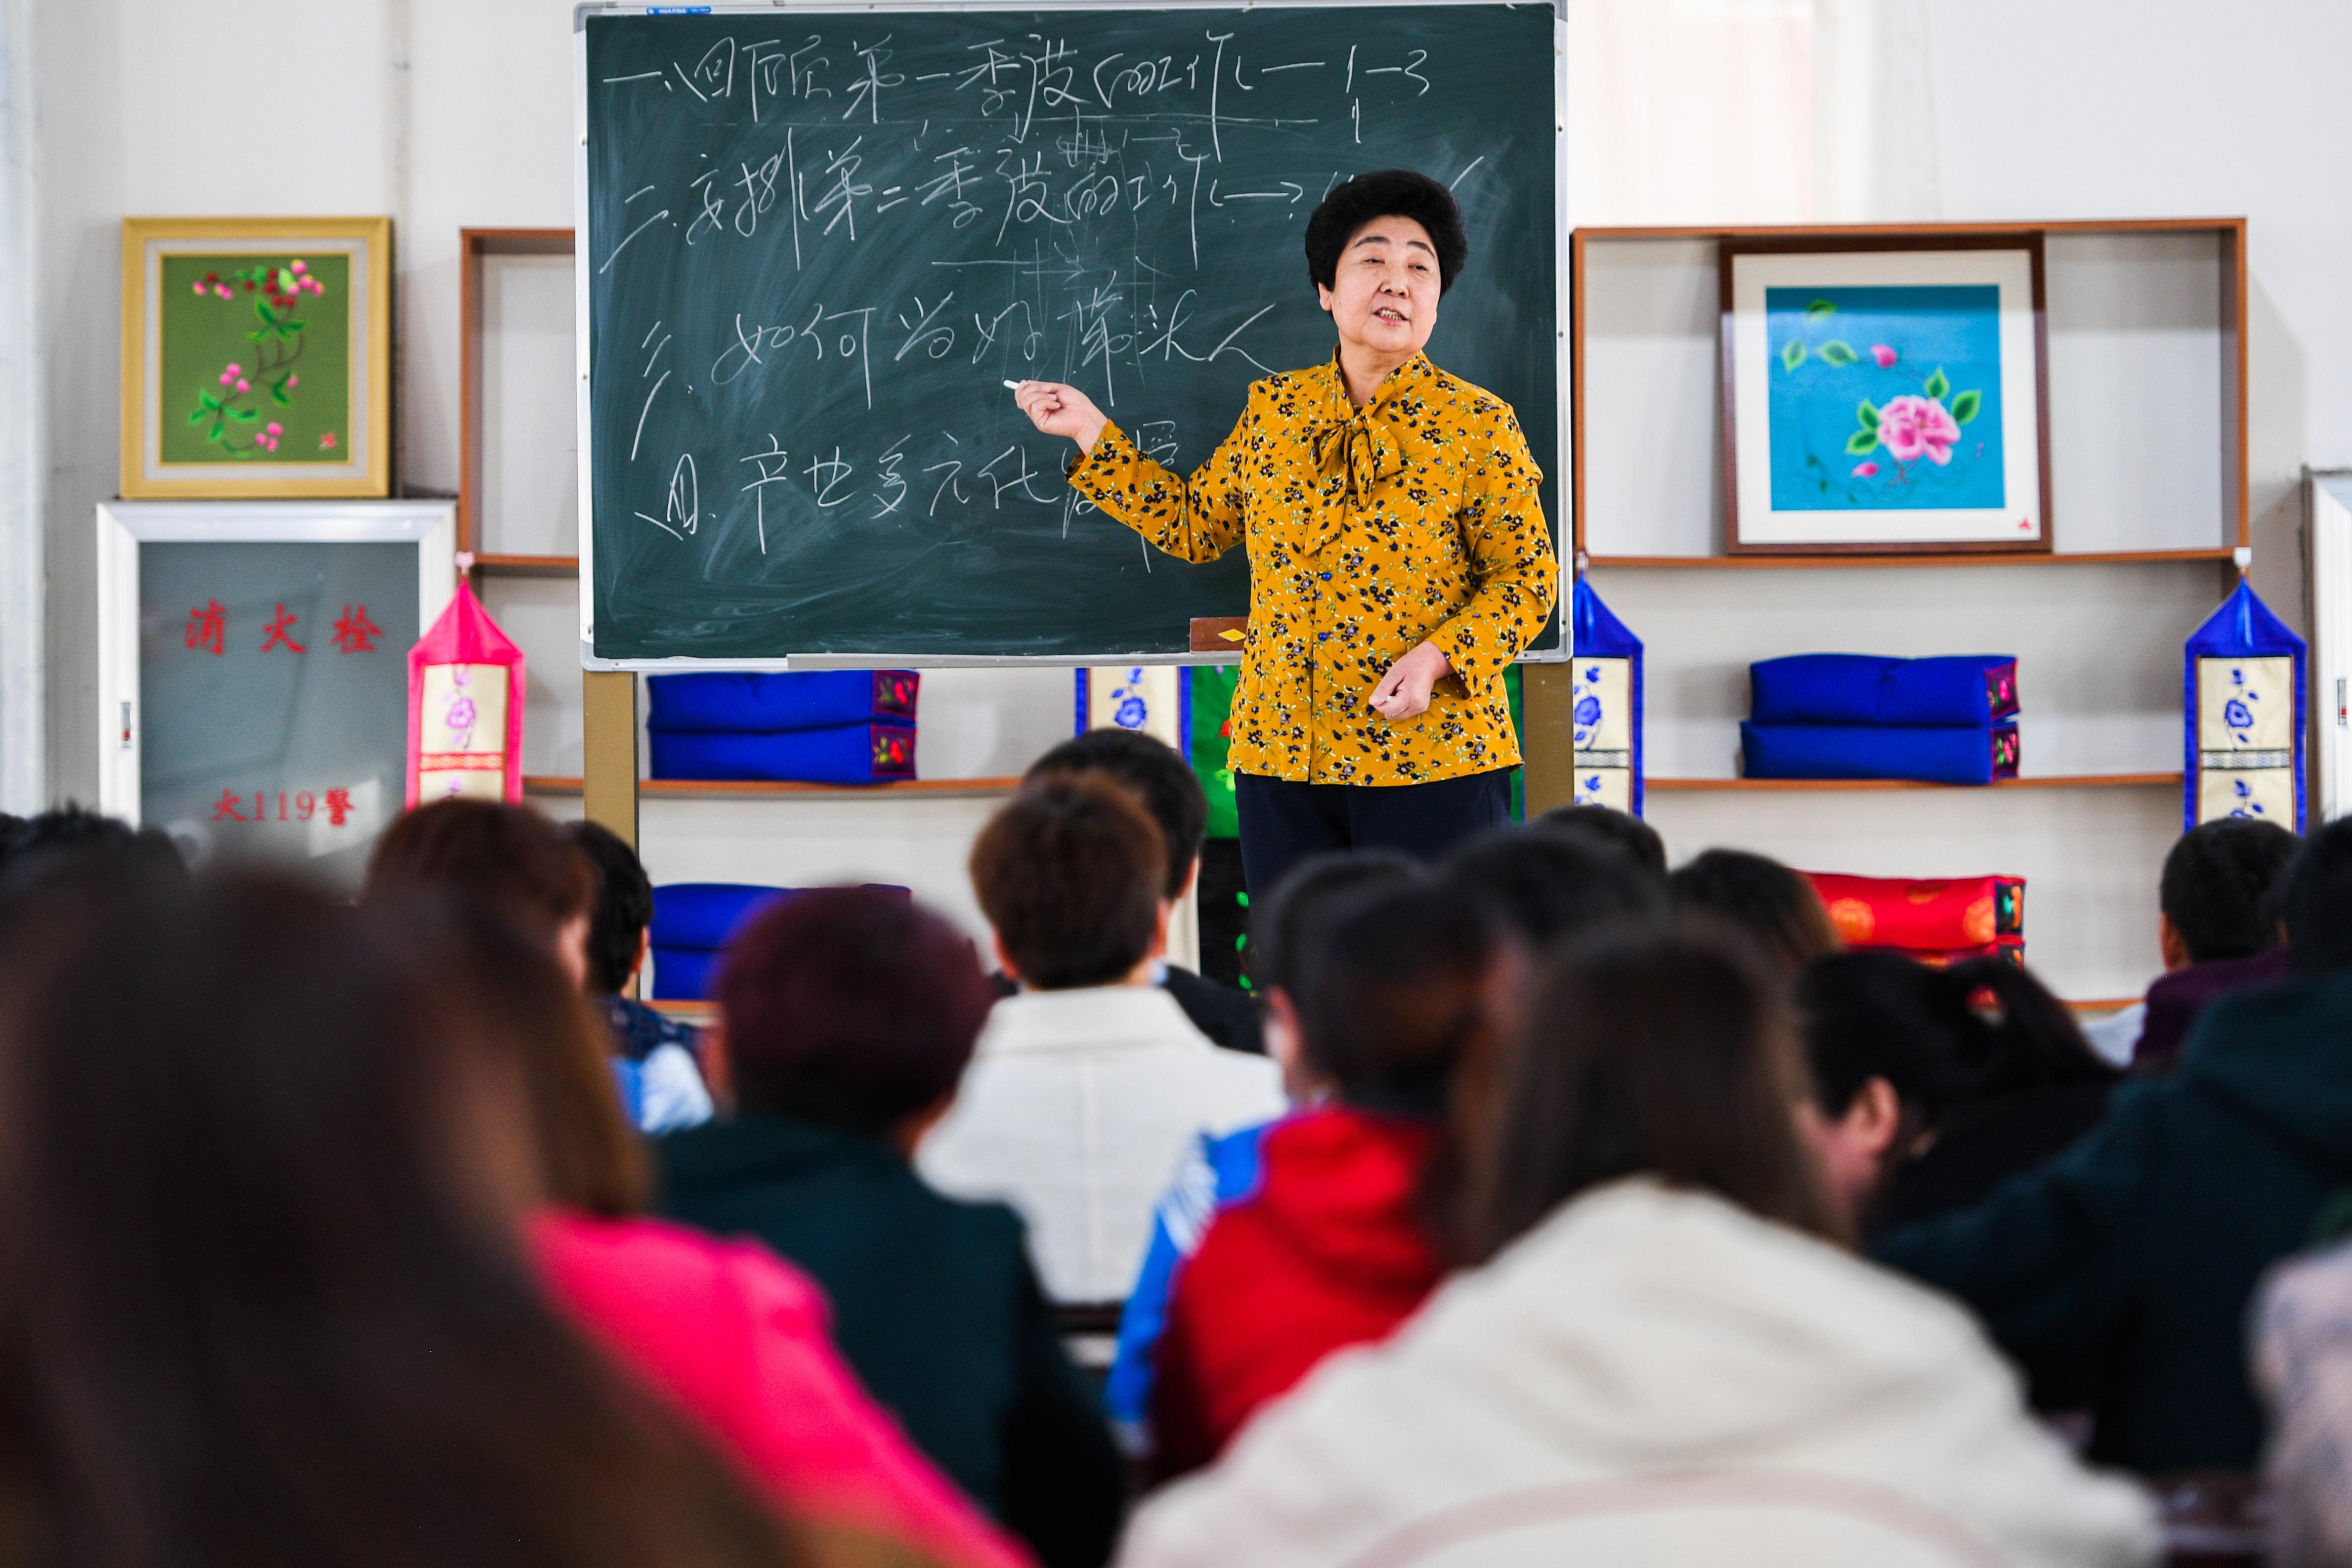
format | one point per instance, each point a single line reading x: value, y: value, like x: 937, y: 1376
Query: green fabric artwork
x: 257, y: 358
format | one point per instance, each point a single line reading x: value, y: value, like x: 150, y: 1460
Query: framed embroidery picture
x: 256, y: 358
x: 1885, y: 394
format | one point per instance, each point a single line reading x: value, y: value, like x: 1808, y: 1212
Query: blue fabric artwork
x: 806, y: 700
x: 860, y: 753
x: 1954, y: 755
x: 1975, y: 690
x: 1605, y: 694
x: 2243, y: 686
x: 692, y: 923
x: 1885, y: 398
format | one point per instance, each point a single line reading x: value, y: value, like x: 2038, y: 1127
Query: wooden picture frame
x: 1802, y: 417
x: 476, y: 247
x: 223, y: 319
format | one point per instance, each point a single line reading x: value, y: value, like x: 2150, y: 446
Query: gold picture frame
x: 222, y: 320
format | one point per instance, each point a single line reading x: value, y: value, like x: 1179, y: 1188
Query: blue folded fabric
x: 871, y: 753
x: 1955, y: 755
x: 811, y: 700
x: 1972, y: 689
x: 694, y: 921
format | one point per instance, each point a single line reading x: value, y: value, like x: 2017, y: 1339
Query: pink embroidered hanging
x: 464, y: 707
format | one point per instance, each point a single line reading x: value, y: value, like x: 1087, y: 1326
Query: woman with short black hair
x: 1400, y: 559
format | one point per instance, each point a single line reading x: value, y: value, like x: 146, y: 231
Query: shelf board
x: 526, y: 564
x: 742, y: 788
x: 703, y: 1012
x: 2219, y: 553
x: 2043, y: 781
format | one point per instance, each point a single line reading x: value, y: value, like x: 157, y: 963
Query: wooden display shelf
x: 526, y: 566
x: 473, y: 245
x: 2219, y: 553
x: 2045, y: 782
x: 703, y: 1012
x: 759, y: 788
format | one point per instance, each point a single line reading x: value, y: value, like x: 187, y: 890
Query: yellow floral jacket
x: 1370, y: 530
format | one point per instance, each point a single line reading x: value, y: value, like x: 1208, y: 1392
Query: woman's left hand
x: 1403, y: 692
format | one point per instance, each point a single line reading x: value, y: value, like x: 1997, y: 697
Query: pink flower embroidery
x: 327, y: 441
x: 1865, y: 470
x: 1884, y: 355
x: 1915, y: 427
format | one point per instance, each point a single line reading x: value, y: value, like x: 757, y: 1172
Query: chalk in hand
x: 1014, y: 385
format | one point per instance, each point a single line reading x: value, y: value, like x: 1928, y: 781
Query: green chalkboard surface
x: 818, y: 243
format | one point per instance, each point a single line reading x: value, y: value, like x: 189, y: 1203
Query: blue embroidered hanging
x: 1156, y: 699
x: 2242, y: 696
x: 1607, y: 666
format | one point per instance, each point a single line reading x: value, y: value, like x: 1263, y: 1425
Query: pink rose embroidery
x: 1884, y: 355
x: 1865, y: 470
x: 1916, y: 427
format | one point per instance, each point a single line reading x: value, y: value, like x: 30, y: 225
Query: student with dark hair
x: 1394, y: 992
x: 2216, y: 926
x: 1934, y: 1086
x: 70, y: 828
x: 1086, y: 1087
x: 1666, y: 1355
x: 1169, y: 789
x: 1402, y: 560
x: 2118, y: 1277
x: 1764, y: 901
x: 1551, y: 883
x: 307, y: 1324
x: 846, y: 1020
x: 509, y: 858
x: 1221, y: 1169
x: 1634, y: 838
x: 668, y: 1092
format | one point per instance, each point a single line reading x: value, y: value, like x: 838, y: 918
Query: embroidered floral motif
x: 1369, y: 530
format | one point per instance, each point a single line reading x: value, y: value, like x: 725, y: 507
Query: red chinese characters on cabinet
x: 292, y: 806
x: 208, y: 631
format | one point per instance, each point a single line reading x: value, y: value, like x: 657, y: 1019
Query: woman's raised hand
x: 1059, y: 409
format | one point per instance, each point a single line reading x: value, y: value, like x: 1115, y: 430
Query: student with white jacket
x: 1088, y: 1087
x: 1670, y: 1358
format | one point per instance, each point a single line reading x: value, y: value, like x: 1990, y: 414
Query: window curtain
x: 24, y: 783
x: 1749, y: 111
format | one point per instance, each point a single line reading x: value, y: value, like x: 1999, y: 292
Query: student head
x: 1280, y: 926
x: 2315, y: 901
x: 271, y: 1162
x: 1665, y: 1052
x: 1552, y: 884
x: 618, y: 925
x: 1638, y: 839
x: 1380, y: 248
x: 510, y: 859
x: 71, y: 830
x: 1071, y: 873
x: 2215, y: 897
x: 1772, y: 906
x: 1396, y: 988
x: 1159, y: 777
x: 851, y: 1008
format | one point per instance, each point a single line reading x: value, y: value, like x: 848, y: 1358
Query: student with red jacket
x: 1391, y: 996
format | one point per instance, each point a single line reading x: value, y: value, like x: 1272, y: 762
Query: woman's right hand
x: 1060, y: 409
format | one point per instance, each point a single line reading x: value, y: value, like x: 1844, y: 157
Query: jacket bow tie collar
x: 1359, y: 449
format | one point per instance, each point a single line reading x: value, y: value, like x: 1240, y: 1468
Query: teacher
x: 1399, y: 555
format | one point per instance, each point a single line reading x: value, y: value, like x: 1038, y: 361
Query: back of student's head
x: 2314, y: 900
x: 851, y: 1008
x: 1665, y: 1052
x: 1281, y: 922
x: 508, y: 858
x: 70, y: 829
x: 624, y: 907
x: 1637, y: 839
x: 270, y: 1157
x: 1554, y: 884
x: 1774, y: 908
x: 1070, y: 873
x: 1396, y: 989
x: 1161, y: 779
x: 2218, y: 885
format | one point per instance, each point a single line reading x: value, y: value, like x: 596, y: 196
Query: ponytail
x: 2030, y: 1039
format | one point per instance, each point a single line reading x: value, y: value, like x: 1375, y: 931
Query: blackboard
x: 816, y: 244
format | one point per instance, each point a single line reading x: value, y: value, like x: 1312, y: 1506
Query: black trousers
x: 1282, y: 823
